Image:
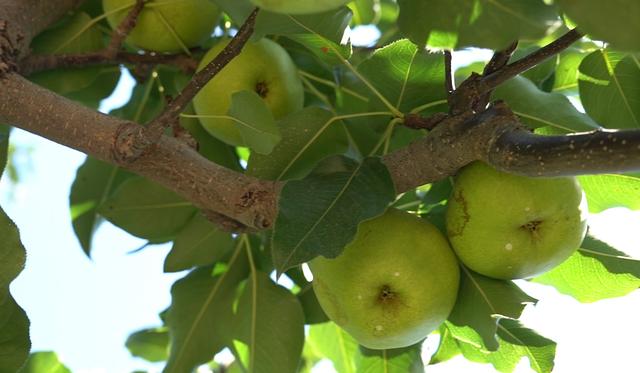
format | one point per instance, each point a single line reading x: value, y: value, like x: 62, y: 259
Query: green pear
x: 74, y: 34
x: 263, y: 67
x: 299, y: 6
x: 393, y: 285
x: 166, y: 25
x: 507, y: 226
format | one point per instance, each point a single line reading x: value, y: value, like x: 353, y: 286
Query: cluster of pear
x: 397, y: 281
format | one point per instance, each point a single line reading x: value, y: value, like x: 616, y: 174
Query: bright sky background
x: 84, y: 309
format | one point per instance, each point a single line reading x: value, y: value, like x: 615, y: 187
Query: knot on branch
x: 9, y: 50
x: 130, y: 143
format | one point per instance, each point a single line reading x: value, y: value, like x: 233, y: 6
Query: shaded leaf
x: 308, y: 136
x: 483, y: 301
x: 567, y: 73
x: 400, y: 360
x: 610, y: 88
x: 490, y: 24
x: 324, y: 50
x: 14, y: 324
x: 200, y: 243
x: 4, y: 146
x: 319, y: 215
x: 596, y: 271
x: 541, y: 109
x: 201, y: 313
x: 149, y: 344
x: 313, y: 313
x: 95, y: 181
x: 611, y: 190
x: 365, y: 11
x: 447, y: 347
x: 254, y: 121
x: 270, y: 322
x: 614, y: 21
x: 44, y: 362
x: 147, y: 210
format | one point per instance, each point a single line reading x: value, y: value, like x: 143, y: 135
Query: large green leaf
x: 308, y: 136
x: 323, y: 49
x: 147, y: 210
x: 365, y: 11
x: 515, y: 343
x: 14, y: 324
x: 537, y: 108
x: 483, y: 301
x: 596, y: 271
x: 270, y: 323
x: 44, y: 362
x: 407, y: 76
x: 95, y: 181
x: 609, y: 88
x: 319, y: 215
x: 254, y: 121
x: 149, y: 344
x: 567, y: 70
x: 400, y: 360
x: 201, y: 314
x: 614, y: 21
x: 329, y: 341
x: 200, y: 243
x: 611, y: 190
x: 481, y: 23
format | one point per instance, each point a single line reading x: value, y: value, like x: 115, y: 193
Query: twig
x: 37, y: 63
x: 494, y: 79
x: 497, y: 62
x: 124, y: 28
x: 416, y: 121
x: 449, y: 81
x: 201, y: 78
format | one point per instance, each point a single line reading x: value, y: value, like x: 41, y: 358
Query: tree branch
x: 497, y: 62
x: 121, y: 32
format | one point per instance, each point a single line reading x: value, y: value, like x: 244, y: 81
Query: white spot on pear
x: 379, y: 328
x: 359, y: 297
x: 527, y: 209
x: 508, y: 247
x: 397, y: 274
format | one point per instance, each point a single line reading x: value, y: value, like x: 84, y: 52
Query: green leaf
x: 515, y: 342
x: 614, y: 21
x: 200, y: 243
x: 270, y: 322
x: 323, y: 49
x: 44, y: 362
x: 145, y: 104
x: 319, y: 215
x: 14, y: 324
x: 328, y: 340
x: 447, y: 347
x: 365, y: 11
x: 490, y: 24
x: 540, y: 109
x: 611, y: 190
x: 567, y: 73
x: 254, y: 121
x: 201, y: 313
x: 105, y: 82
x: 539, y: 73
x: 407, y: 76
x: 596, y: 271
x: 147, y: 210
x: 609, y: 91
x: 483, y: 301
x: 95, y: 181
x: 401, y: 360
x: 313, y: 312
x: 308, y: 136
x: 149, y: 344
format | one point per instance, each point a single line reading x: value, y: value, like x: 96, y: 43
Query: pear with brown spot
x: 507, y: 226
x: 393, y: 285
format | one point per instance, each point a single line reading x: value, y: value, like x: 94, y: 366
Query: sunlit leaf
x: 149, y: 344
x: 44, y: 362
x: 254, y: 121
x: 596, y: 271
x: 610, y: 190
x: 400, y: 360
x: 331, y: 342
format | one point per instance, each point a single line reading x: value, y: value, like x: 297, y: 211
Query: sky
x: 84, y: 309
